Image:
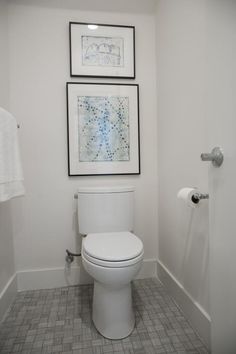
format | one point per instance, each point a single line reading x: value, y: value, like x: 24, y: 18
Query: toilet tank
x: 103, y: 209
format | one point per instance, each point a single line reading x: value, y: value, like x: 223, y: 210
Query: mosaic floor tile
x: 59, y: 321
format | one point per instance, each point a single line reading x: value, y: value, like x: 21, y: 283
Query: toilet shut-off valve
x: 70, y: 256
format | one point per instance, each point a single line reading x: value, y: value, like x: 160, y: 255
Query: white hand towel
x: 11, y: 175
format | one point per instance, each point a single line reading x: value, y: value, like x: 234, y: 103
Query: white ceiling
x: 132, y: 6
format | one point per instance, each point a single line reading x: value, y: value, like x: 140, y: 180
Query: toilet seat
x: 110, y: 264
x: 112, y: 249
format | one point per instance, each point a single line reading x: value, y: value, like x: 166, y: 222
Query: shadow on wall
x: 193, y: 252
x: 75, y: 273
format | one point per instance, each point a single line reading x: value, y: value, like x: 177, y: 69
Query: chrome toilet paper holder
x: 196, y: 197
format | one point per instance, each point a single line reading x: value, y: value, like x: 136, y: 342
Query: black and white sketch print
x: 102, y: 50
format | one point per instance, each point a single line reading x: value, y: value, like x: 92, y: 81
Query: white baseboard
x: 197, y: 316
x: 49, y: 278
x: 7, y: 295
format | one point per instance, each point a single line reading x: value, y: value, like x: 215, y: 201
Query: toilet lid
x: 113, y: 246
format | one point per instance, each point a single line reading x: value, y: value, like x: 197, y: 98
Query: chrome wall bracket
x: 215, y: 156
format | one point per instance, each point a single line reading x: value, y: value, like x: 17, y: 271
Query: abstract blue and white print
x: 103, y: 128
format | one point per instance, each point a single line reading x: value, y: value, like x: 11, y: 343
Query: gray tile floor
x: 59, y: 321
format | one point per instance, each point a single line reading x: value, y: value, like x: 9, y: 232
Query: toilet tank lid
x: 97, y: 190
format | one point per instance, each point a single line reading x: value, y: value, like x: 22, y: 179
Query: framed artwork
x: 103, y: 129
x: 102, y: 50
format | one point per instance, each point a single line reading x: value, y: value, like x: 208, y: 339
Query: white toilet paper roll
x: 186, y: 195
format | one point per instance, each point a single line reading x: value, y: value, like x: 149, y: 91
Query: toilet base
x: 113, y: 314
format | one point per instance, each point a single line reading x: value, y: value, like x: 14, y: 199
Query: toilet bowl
x: 113, y: 260
x: 111, y: 254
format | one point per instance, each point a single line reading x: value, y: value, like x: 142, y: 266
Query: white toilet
x: 111, y: 254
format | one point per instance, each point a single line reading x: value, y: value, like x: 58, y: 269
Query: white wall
x: 4, y: 67
x: 221, y: 112
x: 45, y: 220
x: 183, y: 232
x: 7, y: 269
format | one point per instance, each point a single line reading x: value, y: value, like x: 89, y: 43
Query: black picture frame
x: 88, y: 134
x: 106, y: 51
